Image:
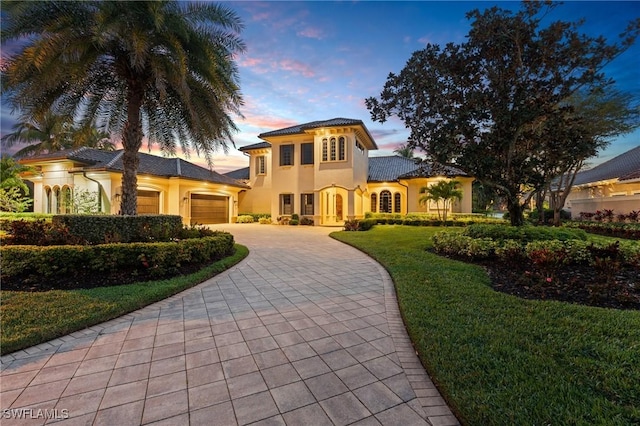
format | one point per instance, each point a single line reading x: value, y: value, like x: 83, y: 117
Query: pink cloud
x: 296, y: 67
x: 312, y: 32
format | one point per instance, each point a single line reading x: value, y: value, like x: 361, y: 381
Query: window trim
x: 282, y: 204
x: 311, y: 152
x: 261, y: 165
x: 386, y: 198
x: 397, y: 202
x: 291, y: 156
x: 334, y: 149
x: 304, y: 197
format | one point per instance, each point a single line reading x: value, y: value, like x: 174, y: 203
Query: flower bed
x: 600, y: 274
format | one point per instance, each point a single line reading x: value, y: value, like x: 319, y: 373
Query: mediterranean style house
x: 612, y: 185
x: 322, y: 171
x: 319, y: 170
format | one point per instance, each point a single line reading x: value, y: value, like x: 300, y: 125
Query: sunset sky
x: 308, y: 61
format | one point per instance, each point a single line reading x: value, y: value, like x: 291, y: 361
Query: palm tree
x: 91, y: 137
x: 445, y: 191
x: 44, y: 133
x: 160, y: 69
x: 404, y: 150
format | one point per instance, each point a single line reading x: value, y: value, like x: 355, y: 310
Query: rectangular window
x: 307, y: 204
x: 261, y: 165
x: 286, y: 204
x: 286, y: 155
x: 333, y: 149
x: 306, y: 154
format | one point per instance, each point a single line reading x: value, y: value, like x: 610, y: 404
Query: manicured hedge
x: 256, y: 216
x: 610, y: 229
x: 97, y: 229
x: 570, y: 250
x: 524, y: 233
x: 68, y: 267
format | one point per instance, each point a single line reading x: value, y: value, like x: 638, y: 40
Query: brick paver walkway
x: 305, y: 331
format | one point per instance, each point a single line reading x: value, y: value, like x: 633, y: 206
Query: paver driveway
x: 304, y: 331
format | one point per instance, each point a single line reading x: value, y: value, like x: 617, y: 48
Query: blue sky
x: 308, y: 61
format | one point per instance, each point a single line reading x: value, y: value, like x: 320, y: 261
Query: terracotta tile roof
x: 623, y: 167
x: 96, y: 159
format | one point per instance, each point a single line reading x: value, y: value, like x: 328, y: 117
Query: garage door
x: 148, y: 202
x: 207, y: 209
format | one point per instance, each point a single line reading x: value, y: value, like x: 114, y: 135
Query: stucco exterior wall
x: 174, y: 192
x: 621, y: 197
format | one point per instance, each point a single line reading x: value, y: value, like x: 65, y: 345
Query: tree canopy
x: 164, y: 70
x: 498, y: 105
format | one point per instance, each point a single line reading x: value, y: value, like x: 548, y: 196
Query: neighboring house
x: 614, y: 185
x: 165, y: 185
x: 322, y: 170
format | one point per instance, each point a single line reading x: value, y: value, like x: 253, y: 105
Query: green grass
x: 32, y: 318
x: 498, y: 359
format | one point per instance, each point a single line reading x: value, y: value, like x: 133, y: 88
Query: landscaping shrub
x: 6, y: 218
x: 264, y: 220
x: 359, y: 224
x: 523, y: 233
x: 510, y: 250
x: 46, y: 233
x: 534, y: 215
x: 294, y: 222
x: 68, y: 267
x: 429, y: 219
x: 39, y: 232
x: 610, y: 229
x: 96, y: 229
x: 256, y: 216
x: 245, y: 218
x: 306, y: 221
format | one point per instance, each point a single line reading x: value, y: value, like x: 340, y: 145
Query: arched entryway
x: 333, y: 206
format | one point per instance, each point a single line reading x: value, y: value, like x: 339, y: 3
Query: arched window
x: 65, y: 200
x: 47, y: 200
x: 385, y: 202
x: 397, y: 202
x: 325, y: 150
x: 374, y: 202
x: 333, y: 149
x: 56, y: 200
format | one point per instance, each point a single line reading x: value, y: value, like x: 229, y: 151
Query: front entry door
x: 333, y: 207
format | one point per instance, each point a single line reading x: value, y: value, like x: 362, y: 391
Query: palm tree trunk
x: 132, y: 141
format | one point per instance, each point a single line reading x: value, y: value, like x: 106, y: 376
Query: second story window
x: 334, y: 149
x: 261, y: 165
x: 306, y: 154
x: 286, y: 155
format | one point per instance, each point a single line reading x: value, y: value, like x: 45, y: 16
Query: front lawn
x: 30, y: 318
x: 498, y: 359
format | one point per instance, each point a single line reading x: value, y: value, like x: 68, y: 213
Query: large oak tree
x: 488, y: 105
x: 161, y: 69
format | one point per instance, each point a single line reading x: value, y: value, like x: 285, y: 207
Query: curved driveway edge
x: 304, y: 331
